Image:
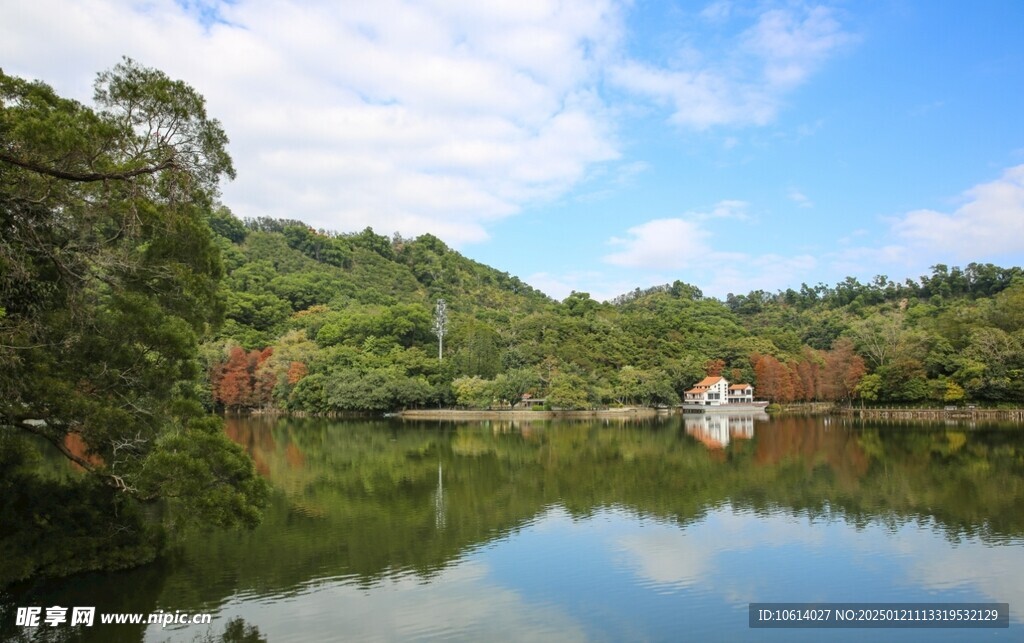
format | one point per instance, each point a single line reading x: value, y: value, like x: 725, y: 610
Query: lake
x: 665, y: 529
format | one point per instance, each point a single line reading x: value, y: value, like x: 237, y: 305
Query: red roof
x: 705, y: 384
x: 736, y: 387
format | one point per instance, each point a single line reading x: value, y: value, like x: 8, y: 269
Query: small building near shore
x: 741, y: 394
x: 716, y: 391
x: 528, y: 401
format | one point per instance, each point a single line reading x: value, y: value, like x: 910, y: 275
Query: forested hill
x: 277, y: 268
x: 322, y: 322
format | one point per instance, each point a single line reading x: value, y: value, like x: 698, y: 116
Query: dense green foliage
x: 359, y: 330
x: 952, y: 337
x: 109, y: 276
x: 342, y: 322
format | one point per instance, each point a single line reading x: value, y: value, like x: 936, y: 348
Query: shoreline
x: 458, y: 414
x: 1015, y: 415
x: 805, y: 408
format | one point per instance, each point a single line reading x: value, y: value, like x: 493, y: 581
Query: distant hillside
x: 325, y: 322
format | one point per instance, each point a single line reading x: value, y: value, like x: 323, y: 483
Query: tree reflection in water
x: 371, y: 504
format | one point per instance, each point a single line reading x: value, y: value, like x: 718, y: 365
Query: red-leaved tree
x: 234, y: 387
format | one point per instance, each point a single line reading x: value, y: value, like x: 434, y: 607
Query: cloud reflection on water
x: 776, y: 548
x: 459, y: 603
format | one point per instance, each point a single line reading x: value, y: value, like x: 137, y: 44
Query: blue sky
x: 599, y: 145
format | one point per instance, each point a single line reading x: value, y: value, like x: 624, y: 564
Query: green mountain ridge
x: 351, y: 315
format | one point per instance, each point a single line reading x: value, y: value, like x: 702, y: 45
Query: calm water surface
x: 589, y: 531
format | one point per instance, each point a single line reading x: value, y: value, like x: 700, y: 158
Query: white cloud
x: 698, y: 98
x: 800, y: 198
x: 717, y: 11
x: 626, y: 174
x: 599, y: 285
x: 727, y: 209
x: 792, y: 46
x: 439, y: 116
x: 676, y: 243
x: 661, y: 244
x: 987, y: 226
x: 435, y: 116
x: 859, y: 261
x: 741, y: 273
x: 990, y: 222
x: 745, y: 84
x: 663, y: 250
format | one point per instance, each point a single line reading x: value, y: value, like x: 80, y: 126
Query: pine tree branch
x: 87, y: 177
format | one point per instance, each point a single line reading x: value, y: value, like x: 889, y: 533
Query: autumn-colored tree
x: 234, y: 388
x: 714, y: 367
x: 766, y: 384
x: 264, y: 378
x: 807, y: 373
x: 807, y: 377
x: 786, y: 389
x: 296, y: 371
x: 246, y: 380
x: 843, y: 370
x: 774, y: 380
x: 796, y: 383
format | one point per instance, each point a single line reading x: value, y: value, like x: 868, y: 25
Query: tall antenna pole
x: 440, y: 325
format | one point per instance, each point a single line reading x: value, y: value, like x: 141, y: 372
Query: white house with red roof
x: 716, y: 391
x: 710, y: 391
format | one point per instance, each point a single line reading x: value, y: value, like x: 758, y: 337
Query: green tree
x: 579, y: 304
x: 262, y: 312
x: 108, y: 276
x: 869, y: 388
x: 648, y: 387
x: 881, y: 338
x: 473, y: 392
x: 567, y: 391
x: 381, y: 389
x: 1008, y: 311
x: 478, y: 350
x: 1002, y: 357
x: 511, y: 386
x: 227, y: 225
x: 954, y: 392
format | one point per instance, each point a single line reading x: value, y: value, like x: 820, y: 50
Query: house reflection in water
x: 716, y: 430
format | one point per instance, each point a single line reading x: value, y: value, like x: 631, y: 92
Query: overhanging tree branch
x: 110, y: 479
x: 88, y: 177
x: 58, y: 443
